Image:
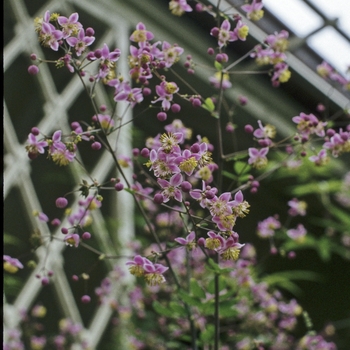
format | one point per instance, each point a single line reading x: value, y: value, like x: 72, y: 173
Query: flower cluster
x: 181, y: 197
x: 273, y: 53
x: 143, y: 267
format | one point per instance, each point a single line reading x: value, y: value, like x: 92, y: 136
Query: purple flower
x: 171, y: 53
x: 254, y: 10
x: 50, y: 36
x: 231, y: 248
x: 189, y: 241
x: 257, y: 158
x: 154, y: 273
x: 224, y: 34
x: 70, y: 26
x: 165, y: 92
x: 267, y: 227
x: 219, y: 80
x: 11, y: 264
x: 72, y: 239
x: 136, y: 266
x: 131, y: 95
x: 297, y: 207
x: 297, y: 234
x: 34, y: 146
x: 171, y: 188
x: 140, y: 35
x: 81, y: 42
x: 179, y: 7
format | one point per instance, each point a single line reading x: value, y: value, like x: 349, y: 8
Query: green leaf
x: 324, y: 248
x: 284, y: 279
x: 230, y: 175
x: 241, y: 167
x: 340, y: 214
x: 209, y: 104
x: 177, y: 309
x: 196, y: 289
x: 207, y: 308
x: 211, y: 285
x: 12, y: 240
x: 218, y: 66
x: 207, y: 335
x: 189, y: 299
x: 215, y: 267
x: 226, y: 309
x: 162, y: 310
x: 316, y: 187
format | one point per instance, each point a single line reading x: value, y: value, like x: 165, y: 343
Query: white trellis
x: 119, y: 17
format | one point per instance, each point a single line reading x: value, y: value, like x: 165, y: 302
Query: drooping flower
x: 230, y: 249
x: 141, y: 35
x: 136, y: 266
x: 11, y: 264
x: 72, y: 239
x: 254, y: 10
x: 189, y: 241
x: 154, y: 273
x: 220, y: 80
x: 297, y: 207
x: 297, y: 234
x: 34, y: 146
x: 179, y: 7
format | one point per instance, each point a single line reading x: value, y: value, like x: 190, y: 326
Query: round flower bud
x: 85, y: 299
x: 135, y: 152
x: 33, y: 57
x: 158, y: 198
x: 61, y: 202
x: 210, y: 51
x: 35, y: 131
x: 96, y: 146
x: 243, y: 100
x: 86, y: 235
x: 146, y: 91
x: 33, y: 69
x: 64, y: 230
x: 45, y: 281
x: 196, y: 102
x: 56, y: 222
x: 176, y: 108
x: 186, y: 186
x: 119, y: 186
x: 75, y: 278
x: 89, y: 32
x: 103, y: 108
x: 248, y: 129
x: 273, y: 251
x: 145, y: 152
x: 162, y: 116
x: 199, y: 7
x: 219, y: 57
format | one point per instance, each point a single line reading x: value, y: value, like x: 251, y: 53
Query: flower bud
x: 162, y: 116
x: 61, y: 202
x: 33, y: 69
